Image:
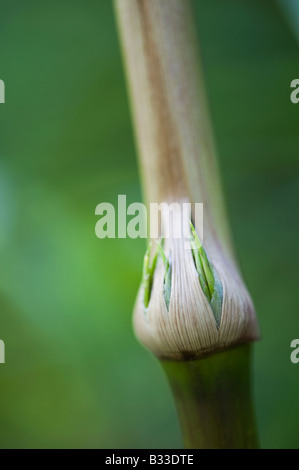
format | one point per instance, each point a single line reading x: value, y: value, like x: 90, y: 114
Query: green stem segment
x: 213, y: 400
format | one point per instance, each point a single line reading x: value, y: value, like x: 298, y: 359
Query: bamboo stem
x: 178, y: 163
x: 170, y: 112
x: 213, y: 400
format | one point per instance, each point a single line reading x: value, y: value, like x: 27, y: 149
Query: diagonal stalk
x: 201, y: 328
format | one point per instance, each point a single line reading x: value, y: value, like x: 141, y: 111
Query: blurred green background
x: 75, y: 376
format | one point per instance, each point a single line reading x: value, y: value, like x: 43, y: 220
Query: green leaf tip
x: 148, y: 275
x: 208, y: 278
x: 167, y: 275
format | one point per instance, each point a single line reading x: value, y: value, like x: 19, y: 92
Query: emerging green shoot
x: 147, y: 275
x: 208, y: 278
x: 167, y: 276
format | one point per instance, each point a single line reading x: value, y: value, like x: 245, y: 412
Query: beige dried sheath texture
x: 187, y: 328
x: 176, y: 317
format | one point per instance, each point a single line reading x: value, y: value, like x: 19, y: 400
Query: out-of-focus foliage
x: 75, y: 375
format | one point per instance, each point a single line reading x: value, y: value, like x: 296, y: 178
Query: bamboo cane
x: 193, y: 310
